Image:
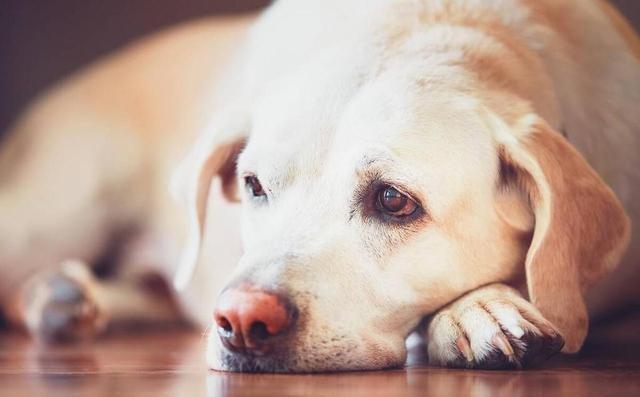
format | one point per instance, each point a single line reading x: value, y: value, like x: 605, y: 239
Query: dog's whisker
x: 207, y: 331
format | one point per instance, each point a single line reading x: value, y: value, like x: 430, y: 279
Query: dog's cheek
x: 385, y: 352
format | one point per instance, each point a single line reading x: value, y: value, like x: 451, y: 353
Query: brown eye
x: 254, y: 185
x: 394, y: 203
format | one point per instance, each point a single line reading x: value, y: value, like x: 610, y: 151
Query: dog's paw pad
x: 61, y: 306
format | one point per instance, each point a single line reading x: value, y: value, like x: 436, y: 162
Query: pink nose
x: 249, y: 318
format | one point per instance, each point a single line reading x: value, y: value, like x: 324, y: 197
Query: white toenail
x: 516, y: 331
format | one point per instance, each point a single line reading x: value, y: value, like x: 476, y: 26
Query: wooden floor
x: 170, y: 364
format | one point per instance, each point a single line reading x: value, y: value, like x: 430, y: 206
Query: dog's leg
x: 63, y: 303
x: 492, y: 327
x: 70, y: 304
x: 70, y: 178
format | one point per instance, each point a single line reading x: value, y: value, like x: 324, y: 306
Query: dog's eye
x: 254, y: 185
x: 392, y: 202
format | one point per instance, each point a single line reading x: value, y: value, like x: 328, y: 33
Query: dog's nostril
x: 225, y: 325
x: 259, y: 331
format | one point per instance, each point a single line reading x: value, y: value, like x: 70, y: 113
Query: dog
x: 322, y: 180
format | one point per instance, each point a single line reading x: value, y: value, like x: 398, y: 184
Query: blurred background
x: 44, y: 40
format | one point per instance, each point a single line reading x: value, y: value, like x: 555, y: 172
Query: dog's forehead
x: 434, y: 136
x: 295, y: 118
x: 398, y: 105
x: 336, y: 121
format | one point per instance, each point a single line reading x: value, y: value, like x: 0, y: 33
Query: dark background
x: 44, y: 40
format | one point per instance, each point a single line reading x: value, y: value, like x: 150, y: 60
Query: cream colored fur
x: 462, y: 102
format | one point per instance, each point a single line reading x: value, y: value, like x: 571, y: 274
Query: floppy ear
x: 581, y: 229
x: 214, y: 155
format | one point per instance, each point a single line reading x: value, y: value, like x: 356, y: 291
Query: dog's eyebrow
x: 371, y: 164
x: 383, y: 167
x: 273, y: 179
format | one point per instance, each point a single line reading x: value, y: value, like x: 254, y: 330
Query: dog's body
x: 91, y: 160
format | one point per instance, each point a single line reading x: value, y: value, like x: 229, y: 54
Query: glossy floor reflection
x: 170, y: 364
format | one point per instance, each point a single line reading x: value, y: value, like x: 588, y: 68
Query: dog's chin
x: 241, y: 363
x: 220, y: 359
x: 237, y: 363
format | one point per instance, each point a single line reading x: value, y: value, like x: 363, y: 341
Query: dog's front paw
x: 491, y: 328
x: 61, y: 306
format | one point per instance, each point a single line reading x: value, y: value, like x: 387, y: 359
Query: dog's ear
x: 213, y: 155
x: 580, y: 230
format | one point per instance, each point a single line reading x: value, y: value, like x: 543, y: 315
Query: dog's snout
x: 249, y: 319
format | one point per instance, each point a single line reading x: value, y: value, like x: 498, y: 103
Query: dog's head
x: 370, y: 202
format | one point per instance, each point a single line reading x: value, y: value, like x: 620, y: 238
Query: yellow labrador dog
x: 361, y: 170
